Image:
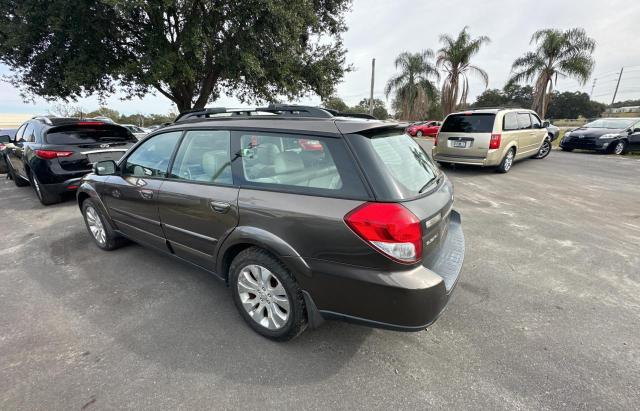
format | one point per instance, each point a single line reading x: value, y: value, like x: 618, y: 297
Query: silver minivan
x: 491, y: 137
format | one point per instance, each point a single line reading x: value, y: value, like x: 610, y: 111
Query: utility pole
x: 373, y: 75
x: 617, y: 85
x: 593, y: 86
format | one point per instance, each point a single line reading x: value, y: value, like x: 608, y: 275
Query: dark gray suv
x: 305, y: 214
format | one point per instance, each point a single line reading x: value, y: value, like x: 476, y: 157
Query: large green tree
x: 413, y: 85
x: 558, y: 54
x: 572, y: 105
x: 454, y: 58
x: 190, y: 51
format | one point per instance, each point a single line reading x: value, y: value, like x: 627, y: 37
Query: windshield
x: 613, y: 123
x: 469, y: 123
x: 406, y: 162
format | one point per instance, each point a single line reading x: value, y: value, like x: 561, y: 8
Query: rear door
x: 131, y: 196
x: 198, y: 203
x: 466, y: 134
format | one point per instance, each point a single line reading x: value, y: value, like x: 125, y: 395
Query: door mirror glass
x: 105, y: 168
x: 546, y: 124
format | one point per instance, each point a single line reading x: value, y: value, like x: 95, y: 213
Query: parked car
x: 6, y: 137
x: 138, y: 132
x: 491, y: 137
x: 553, y: 131
x: 52, y: 154
x: 424, y: 128
x: 613, y: 135
x: 298, y: 234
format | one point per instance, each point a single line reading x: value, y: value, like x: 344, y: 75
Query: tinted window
x: 28, y: 133
x: 535, y: 121
x: 20, y: 132
x: 510, y: 122
x: 151, y: 158
x: 301, y: 164
x: 468, y: 123
x: 204, y: 156
x: 79, y: 134
x: 524, y: 121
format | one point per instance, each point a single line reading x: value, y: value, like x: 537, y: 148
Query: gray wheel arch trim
x: 88, y: 189
x: 264, y: 239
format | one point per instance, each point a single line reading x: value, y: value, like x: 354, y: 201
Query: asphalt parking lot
x: 545, y: 316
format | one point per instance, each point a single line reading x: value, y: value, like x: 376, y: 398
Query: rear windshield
x: 79, y: 134
x: 405, y: 161
x: 469, y: 123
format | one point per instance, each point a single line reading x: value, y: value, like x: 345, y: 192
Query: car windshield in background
x: 469, y: 123
x: 407, y: 163
x: 612, y: 123
x: 78, y: 134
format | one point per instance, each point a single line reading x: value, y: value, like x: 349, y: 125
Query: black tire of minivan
x: 297, y: 321
x: 505, y: 166
x: 112, y: 239
x: 45, y: 196
x: 545, y: 149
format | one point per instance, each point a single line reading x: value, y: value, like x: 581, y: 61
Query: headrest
x: 288, y: 162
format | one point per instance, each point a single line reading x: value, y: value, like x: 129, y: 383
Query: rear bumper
x: 404, y: 301
x: 68, y: 185
x: 492, y: 159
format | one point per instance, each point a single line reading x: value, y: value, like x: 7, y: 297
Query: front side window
x: 536, y: 121
x: 28, y: 133
x: 20, y: 133
x: 524, y: 121
x: 151, y: 158
x: 204, y: 156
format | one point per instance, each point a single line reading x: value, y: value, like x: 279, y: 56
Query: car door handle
x: 146, y: 194
x: 219, y: 206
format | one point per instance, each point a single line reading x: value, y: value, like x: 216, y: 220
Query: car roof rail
x: 337, y: 113
x: 44, y: 119
x: 277, y: 110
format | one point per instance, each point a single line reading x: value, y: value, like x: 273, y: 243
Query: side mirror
x: 546, y: 123
x: 636, y: 130
x: 105, y: 168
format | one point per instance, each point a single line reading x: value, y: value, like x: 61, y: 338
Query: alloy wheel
x: 263, y: 297
x: 36, y: 185
x: 508, y: 161
x: 95, y: 225
x: 544, y: 150
x: 619, y: 148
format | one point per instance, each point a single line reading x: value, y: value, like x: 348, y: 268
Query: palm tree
x: 414, y: 90
x: 454, y: 58
x: 558, y: 54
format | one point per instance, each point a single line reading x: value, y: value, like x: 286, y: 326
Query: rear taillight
x: 390, y: 228
x: 51, y: 154
x: 495, y: 141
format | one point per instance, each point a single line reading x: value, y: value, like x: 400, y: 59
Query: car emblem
x: 104, y: 146
x: 580, y: 136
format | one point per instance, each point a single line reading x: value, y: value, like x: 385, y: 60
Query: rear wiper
x: 428, y: 183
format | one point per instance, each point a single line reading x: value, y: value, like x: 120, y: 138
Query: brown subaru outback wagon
x: 305, y: 214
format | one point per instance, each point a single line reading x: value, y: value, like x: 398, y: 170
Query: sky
x: 382, y: 29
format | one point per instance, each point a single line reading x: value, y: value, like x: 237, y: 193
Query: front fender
x: 264, y: 239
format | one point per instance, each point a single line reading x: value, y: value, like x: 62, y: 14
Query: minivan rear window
x: 469, y: 123
x: 81, y: 134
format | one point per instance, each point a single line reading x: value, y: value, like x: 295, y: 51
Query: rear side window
x: 204, y: 156
x: 405, y: 161
x: 510, y: 122
x: 80, y: 134
x: 524, y: 121
x: 304, y: 164
x: 469, y: 123
x: 151, y: 158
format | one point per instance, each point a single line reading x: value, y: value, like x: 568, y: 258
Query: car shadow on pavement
x: 176, y: 316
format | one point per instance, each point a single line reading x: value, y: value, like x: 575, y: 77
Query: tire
x: 45, y: 196
x: 419, y: 133
x: 110, y: 240
x: 620, y: 148
x: 507, y: 161
x: 544, y: 151
x: 566, y: 149
x: 254, y: 293
x: 4, y: 167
